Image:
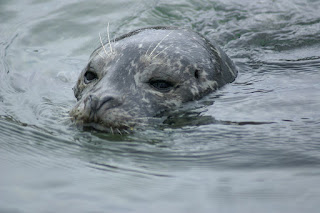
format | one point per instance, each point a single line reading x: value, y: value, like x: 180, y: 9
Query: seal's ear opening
x: 197, y: 74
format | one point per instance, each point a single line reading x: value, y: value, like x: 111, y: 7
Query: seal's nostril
x: 105, y: 100
x: 96, y: 103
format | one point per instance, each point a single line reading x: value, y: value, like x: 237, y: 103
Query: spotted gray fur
x: 123, y: 94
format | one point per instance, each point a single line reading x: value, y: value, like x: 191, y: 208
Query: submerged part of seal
x: 146, y: 72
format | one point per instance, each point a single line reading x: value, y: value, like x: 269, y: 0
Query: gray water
x: 260, y: 152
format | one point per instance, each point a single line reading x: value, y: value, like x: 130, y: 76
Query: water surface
x: 260, y: 151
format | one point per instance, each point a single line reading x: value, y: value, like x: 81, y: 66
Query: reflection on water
x: 252, y: 146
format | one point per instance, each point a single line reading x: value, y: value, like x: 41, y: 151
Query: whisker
x: 149, y: 48
x: 100, y: 55
x: 119, y: 131
x: 66, y: 117
x: 130, y: 110
x: 159, y: 43
x: 109, y: 38
x: 161, y: 52
x: 127, y: 126
x: 103, y: 45
x: 126, y: 131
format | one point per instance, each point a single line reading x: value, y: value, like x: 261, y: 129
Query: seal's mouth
x: 114, y: 120
x: 111, y: 124
x: 107, y: 129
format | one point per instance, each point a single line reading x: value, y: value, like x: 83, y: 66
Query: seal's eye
x: 89, y: 76
x: 161, y: 85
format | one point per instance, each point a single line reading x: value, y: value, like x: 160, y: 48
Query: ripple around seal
x: 30, y: 142
x: 196, y: 147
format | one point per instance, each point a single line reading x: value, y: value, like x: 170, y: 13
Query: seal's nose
x: 109, y: 102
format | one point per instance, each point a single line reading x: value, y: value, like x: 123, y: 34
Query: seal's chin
x: 105, y: 126
x: 108, y: 129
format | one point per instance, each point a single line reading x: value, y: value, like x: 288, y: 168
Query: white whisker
x: 148, y: 49
x: 109, y: 38
x: 103, y: 45
x: 161, y: 51
x: 126, y: 131
x: 100, y: 55
x: 159, y: 43
x: 119, y: 131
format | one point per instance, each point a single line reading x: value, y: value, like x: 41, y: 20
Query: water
x: 260, y: 152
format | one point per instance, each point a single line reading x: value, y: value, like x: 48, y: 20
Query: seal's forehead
x: 164, y: 37
x: 169, y: 42
x: 146, y: 38
x: 174, y: 46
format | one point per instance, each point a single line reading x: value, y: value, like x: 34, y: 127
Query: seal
x: 146, y: 72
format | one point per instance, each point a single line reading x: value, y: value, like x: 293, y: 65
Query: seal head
x: 146, y: 72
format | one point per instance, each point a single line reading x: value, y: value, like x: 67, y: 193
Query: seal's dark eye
x: 89, y: 76
x: 161, y: 85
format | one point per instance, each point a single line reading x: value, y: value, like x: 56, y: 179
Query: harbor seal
x: 145, y: 72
